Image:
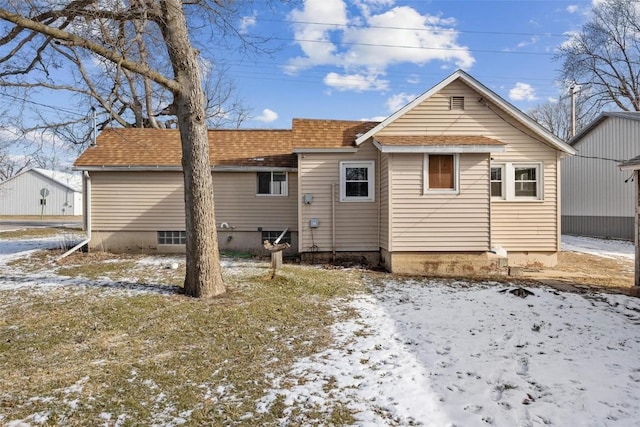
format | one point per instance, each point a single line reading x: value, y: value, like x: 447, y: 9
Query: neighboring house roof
x: 248, y: 148
x: 627, y: 115
x: 71, y: 181
x: 544, y: 135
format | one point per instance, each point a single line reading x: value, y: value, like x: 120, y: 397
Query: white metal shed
x: 41, y: 192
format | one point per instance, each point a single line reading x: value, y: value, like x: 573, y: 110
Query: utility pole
x: 573, y: 109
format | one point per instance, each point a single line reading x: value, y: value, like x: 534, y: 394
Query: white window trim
x: 456, y: 175
x: 370, y: 164
x: 503, y: 174
x: 286, y: 187
x: 509, y: 183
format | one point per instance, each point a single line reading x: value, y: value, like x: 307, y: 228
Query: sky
x: 365, y: 59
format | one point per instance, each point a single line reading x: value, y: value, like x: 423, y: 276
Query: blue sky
x: 364, y: 59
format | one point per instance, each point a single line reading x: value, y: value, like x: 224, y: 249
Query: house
x: 633, y: 165
x: 437, y: 187
x: 41, y: 192
x: 597, y: 196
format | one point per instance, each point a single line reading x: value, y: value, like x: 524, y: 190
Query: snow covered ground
x: 600, y: 247
x: 443, y: 353
x: 437, y: 353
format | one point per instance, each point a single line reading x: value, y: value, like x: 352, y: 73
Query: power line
x: 52, y: 107
x: 430, y: 29
x: 446, y: 49
x: 599, y: 158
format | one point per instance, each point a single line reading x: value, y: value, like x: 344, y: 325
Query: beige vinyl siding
x: 433, y: 116
x: 356, y: 223
x: 384, y: 202
x: 516, y: 226
x: 137, y: 201
x: 238, y: 205
x: 524, y: 225
x: 155, y: 201
x: 440, y: 222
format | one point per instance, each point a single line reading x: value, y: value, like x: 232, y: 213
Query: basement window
x: 456, y: 103
x: 172, y: 237
x: 271, y: 236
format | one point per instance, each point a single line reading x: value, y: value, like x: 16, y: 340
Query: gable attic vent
x: 456, y: 103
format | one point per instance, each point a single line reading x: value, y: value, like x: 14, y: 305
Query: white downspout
x: 333, y: 221
x: 87, y: 216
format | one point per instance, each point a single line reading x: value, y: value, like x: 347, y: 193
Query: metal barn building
x: 41, y: 192
x: 597, y: 197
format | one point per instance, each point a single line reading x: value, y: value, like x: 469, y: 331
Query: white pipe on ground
x: 87, y: 216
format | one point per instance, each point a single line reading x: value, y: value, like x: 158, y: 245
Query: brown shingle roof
x: 244, y: 147
x: 437, y: 140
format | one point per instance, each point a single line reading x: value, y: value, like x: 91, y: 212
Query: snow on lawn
x: 14, y: 279
x: 600, y: 247
x: 466, y: 354
x: 441, y: 353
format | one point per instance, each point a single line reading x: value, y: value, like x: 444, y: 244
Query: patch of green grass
x: 84, y: 355
x: 237, y: 254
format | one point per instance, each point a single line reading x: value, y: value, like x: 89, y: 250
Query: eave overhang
x: 436, y: 149
x: 160, y: 168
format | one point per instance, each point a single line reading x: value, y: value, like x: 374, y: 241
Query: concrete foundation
x: 147, y: 242
x: 445, y: 264
x: 533, y: 259
x: 371, y: 259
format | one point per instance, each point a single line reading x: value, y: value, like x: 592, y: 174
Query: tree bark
x: 203, y: 276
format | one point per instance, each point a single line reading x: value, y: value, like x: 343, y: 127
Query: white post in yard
x: 637, y: 228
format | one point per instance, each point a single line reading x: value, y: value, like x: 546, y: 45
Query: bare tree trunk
x: 204, y: 277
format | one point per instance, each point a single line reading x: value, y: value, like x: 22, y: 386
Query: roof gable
x: 484, y: 92
x: 66, y: 180
x: 625, y: 115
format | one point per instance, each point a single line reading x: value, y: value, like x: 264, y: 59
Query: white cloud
x: 381, y: 35
x: 267, y: 116
x: 572, y: 8
x: 396, y: 102
x: 315, y: 38
x: 531, y: 41
x: 374, y: 119
x: 523, y: 92
x: 355, y: 82
x: 246, y: 22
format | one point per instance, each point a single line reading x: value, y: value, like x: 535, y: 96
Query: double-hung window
x: 526, y: 181
x: 272, y: 184
x: 441, y: 173
x: 498, y: 190
x: 516, y: 181
x: 357, y: 181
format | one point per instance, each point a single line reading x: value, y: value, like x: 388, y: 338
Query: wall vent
x: 456, y: 103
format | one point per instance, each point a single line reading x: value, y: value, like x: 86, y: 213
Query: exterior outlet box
x: 307, y: 199
x: 314, y: 223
